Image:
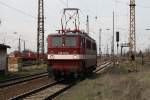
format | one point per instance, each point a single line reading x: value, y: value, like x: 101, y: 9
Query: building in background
x: 3, y: 58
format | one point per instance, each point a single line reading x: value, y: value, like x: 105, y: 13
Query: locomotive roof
x: 73, y: 33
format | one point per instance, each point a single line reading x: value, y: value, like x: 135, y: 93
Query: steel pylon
x: 40, y: 31
x: 132, y: 29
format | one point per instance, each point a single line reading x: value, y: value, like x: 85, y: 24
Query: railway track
x: 16, y: 87
x: 50, y: 91
x: 102, y: 67
x: 18, y: 80
x: 47, y: 92
x: 29, y: 94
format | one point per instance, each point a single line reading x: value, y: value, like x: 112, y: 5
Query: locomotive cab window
x: 70, y: 41
x: 56, y: 41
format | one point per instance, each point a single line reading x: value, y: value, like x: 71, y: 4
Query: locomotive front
x: 64, y: 54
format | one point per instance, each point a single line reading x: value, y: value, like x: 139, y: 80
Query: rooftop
x: 4, y: 46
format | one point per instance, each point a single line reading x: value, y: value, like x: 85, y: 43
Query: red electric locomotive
x: 71, y: 53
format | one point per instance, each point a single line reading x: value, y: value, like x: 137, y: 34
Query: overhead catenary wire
x: 11, y: 7
x: 17, y: 10
x: 64, y: 3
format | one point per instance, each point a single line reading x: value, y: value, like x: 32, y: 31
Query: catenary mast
x: 132, y: 30
x: 40, y: 31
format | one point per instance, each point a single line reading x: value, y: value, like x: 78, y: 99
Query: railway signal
x: 117, y: 40
x: 124, y: 45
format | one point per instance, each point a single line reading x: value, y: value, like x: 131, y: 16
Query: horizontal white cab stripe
x: 65, y: 57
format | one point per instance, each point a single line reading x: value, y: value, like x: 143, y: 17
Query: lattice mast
x: 132, y: 30
x: 40, y: 31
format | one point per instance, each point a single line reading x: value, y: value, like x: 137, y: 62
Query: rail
x: 18, y: 80
x: 24, y: 95
x: 57, y: 88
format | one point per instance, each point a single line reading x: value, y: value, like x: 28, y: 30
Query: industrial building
x: 3, y: 58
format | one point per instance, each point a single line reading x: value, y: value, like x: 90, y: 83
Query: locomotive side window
x: 82, y: 43
x: 94, y: 46
x: 70, y: 41
x: 88, y: 44
x: 56, y: 41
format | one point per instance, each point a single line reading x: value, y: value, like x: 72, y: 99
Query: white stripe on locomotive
x: 67, y: 57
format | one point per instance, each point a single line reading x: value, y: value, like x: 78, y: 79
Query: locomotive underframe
x: 75, y: 68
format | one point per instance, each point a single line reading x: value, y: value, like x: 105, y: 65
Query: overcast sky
x: 20, y: 16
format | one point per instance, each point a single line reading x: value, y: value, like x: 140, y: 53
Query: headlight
x: 74, y: 56
x: 50, y: 56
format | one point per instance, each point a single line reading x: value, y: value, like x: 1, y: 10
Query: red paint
x: 80, y: 48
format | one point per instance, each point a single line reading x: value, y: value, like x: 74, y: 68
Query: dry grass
x: 115, y: 84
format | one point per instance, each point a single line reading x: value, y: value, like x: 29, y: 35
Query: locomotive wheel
x: 82, y: 75
x: 76, y: 75
x: 69, y: 76
x: 57, y: 76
